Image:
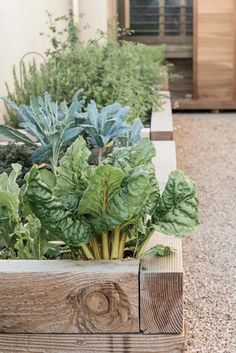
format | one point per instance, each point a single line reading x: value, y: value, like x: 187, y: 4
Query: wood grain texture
x: 161, y: 289
x: 161, y: 121
x: 69, y: 296
x: 164, y: 161
x: 206, y: 104
x: 91, y: 343
x: 215, y: 49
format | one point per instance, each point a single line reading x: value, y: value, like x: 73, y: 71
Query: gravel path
x: 206, y: 150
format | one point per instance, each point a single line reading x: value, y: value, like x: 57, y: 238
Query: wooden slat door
x: 215, y: 51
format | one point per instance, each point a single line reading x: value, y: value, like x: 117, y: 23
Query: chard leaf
x: 71, y: 180
x: 16, y: 135
x: 127, y: 158
x: 103, y: 185
x: 154, y: 196
x: 48, y: 178
x: 177, y: 211
x: 51, y: 213
x: 130, y: 199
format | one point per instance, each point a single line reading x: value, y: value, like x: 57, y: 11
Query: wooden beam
x: 60, y: 296
x: 91, y: 343
x: 161, y: 289
x: 164, y: 161
x: 161, y: 121
x: 206, y: 104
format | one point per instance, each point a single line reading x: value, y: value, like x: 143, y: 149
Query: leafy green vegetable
x: 177, y: 211
x: 21, y: 238
x: 52, y: 214
x: 102, y: 208
x: 51, y: 125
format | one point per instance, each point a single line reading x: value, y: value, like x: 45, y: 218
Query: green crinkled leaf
x: 71, y: 180
x: 103, y: 185
x: 9, y: 192
x: 127, y: 158
x: 154, y: 196
x: 177, y: 211
x: 52, y: 214
x: 130, y: 198
x: 48, y: 178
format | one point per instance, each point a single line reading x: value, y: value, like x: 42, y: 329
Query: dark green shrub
x: 14, y: 153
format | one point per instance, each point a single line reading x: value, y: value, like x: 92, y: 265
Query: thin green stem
x: 115, y: 243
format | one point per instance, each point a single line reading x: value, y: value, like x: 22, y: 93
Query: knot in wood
x: 97, y: 302
x: 102, y: 307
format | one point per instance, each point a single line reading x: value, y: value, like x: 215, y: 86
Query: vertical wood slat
x: 60, y: 296
x: 215, y: 66
x: 127, y: 13
x: 161, y: 289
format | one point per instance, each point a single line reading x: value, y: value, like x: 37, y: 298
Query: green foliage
x: 118, y: 71
x: 15, y: 153
x: 177, y: 211
x: 21, y: 237
x: 101, y: 207
x: 52, y: 125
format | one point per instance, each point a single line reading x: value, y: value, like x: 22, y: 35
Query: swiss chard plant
x: 21, y: 236
x: 52, y: 127
x: 106, y: 210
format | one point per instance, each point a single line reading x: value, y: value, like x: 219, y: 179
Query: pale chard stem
x: 122, y: 246
x: 115, y: 243
x: 141, y: 250
x: 105, y: 246
x: 87, y: 252
x: 96, y: 250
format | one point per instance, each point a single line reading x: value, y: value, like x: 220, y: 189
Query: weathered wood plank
x: 91, y: 343
x: 161, y: 289
x: 161, y: 121
x: 69, y: 296
x: 165, y: 160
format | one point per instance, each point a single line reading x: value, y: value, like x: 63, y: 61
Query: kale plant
x: 52, y: 127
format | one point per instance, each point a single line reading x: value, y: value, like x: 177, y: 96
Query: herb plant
x: 118, y: 71
x: 101, y: 211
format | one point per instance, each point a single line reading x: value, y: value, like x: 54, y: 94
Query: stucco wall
x: 21, y: 21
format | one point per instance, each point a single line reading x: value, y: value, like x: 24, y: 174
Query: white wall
x: 21, y: 21
x: 95, y: 15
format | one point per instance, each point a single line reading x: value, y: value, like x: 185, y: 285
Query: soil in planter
x: 13, y: 153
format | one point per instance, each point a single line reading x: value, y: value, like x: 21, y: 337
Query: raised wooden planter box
x: 123, y: 300
x: 128, y: 306
x: 161, y: 127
